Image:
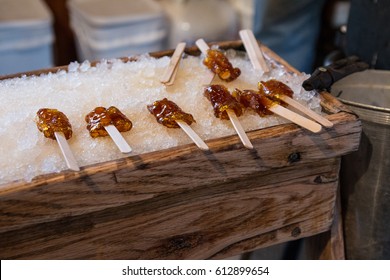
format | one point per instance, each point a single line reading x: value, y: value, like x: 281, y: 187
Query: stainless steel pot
x: 365, y: 174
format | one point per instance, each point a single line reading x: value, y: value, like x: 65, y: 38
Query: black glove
x: 323, y: 77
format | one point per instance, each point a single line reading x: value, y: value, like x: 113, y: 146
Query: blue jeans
x: 290, y: 28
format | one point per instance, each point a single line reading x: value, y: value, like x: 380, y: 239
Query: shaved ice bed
x: 26, y: 153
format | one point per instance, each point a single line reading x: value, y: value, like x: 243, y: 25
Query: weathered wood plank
x: 329, y: 245
x: 194, y: 223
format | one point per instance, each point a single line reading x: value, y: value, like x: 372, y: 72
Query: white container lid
x: 212, y: 20
x: 23, y: 14
x: 24, y: 24
x: 108, y: 33
x: 115, y: 12
x: 130, y: 40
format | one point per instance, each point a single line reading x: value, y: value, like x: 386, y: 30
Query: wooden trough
x: 183, y: 203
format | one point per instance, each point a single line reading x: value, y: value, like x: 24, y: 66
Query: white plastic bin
x: 116, y: 28
x: 245, y: 10
x: 26, y: 36
x: 212, y: 20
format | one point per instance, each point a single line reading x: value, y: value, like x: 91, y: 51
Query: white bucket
x: 26, y: 36
x: 116, y: 28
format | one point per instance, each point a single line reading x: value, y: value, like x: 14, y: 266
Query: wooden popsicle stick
x: 66, y: 151
x: 170, y: 73
x: 118, y: 139
x: 192, y: 134
x: 203, y: 47
x: 173, y: 77
x: 295, y: 118
x: 257, y: 59
x: 310, y: 113
x: 208, y: 79
x: 238, y: 127
x: 253, y: 50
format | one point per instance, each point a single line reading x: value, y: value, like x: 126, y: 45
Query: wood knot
x: 296, y: 232
x: 294, y: 157
x: 182, y: 242
x: 324, y: 179
x: 318, y: 179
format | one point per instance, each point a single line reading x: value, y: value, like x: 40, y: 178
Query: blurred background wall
x: 95, y: 29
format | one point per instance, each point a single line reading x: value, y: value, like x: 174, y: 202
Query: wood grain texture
x: 200, y: 222
x: 183, y: 203
x: 329, y: 245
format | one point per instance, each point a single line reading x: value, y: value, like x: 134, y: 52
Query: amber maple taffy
x: 253, y: 50
x: 217, y: 62
x: 96, y: 117
x: 203, y: 47
x: 171, y: 71
x: 219, y: 96
x: 55, y: 125
x: 276, y: 91
x: 258, y: 62
x: 170, y: 115
x: 277, y: 109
